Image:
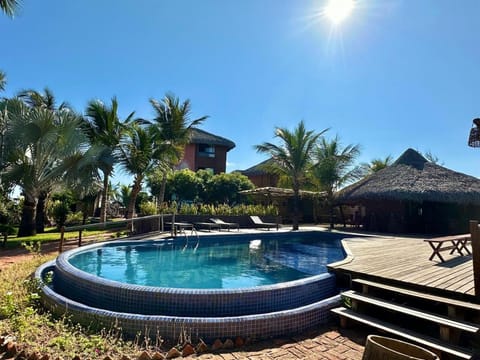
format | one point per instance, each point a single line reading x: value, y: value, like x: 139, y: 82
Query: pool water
x: 220, y: 263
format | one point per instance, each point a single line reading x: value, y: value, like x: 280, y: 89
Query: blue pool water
x: 223, y: 263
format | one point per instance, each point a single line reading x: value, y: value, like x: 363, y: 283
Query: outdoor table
x: 453, y: 243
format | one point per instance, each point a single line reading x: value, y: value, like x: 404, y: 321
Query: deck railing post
x: 62, y: 236
x: 475, y: 234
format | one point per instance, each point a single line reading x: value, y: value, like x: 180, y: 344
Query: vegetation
x: 292, y: 158
x: 9, y: 7
x: 36, y: 331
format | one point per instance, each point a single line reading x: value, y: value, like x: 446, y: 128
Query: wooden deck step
x: 440, y: 320
x: 404, y: 333
x: 420, y: 295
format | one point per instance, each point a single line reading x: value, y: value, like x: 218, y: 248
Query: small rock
x: 157, y: 356
x: 188, y: 350
x: 228, y: 344
x: 125, y: 357
x: 217, y: 345
x: 76, y: 357
x: 239, y: 342
x: 33, y: 356
x: 45, y: 357
x: 10, y: 349
x: 173, y: 353
x: 201, y: 347
x: 22, y: 355
x: 144, y: 356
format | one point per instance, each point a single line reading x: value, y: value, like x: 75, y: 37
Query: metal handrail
x: 103, y: 225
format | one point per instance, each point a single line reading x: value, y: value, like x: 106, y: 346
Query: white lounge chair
x: 224, y: 224
x: 259, y: 223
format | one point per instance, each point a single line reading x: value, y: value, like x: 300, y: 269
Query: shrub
x: 74, y: 218
x: 148, y: 208
x: 60, y: 211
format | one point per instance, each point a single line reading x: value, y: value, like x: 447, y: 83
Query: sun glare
x: 338, y: 10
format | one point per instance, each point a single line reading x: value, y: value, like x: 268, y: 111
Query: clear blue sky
x: 395, y: 74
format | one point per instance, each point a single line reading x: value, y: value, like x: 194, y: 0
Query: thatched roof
x: 199, y: 136
x: 258, y: 169
x: 414, y: 178
x: 276, y: 192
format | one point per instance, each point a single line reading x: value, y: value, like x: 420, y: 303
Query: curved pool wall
x: 260, y: 312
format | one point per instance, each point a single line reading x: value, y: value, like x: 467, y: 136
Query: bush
x: 148, y: 208
x: 60, y: 211
x: 74, y: 218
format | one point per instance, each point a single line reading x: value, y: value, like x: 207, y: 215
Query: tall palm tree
x: 138, y: 153
x: 3, y: 81
x: 376, y: 164
x: 45, y: 100
x: 292, y: 158
x: 9, y: 7
x: 42, y: 146
x: 105, y: 129
x: 172, y: 131
x: 334, y: 167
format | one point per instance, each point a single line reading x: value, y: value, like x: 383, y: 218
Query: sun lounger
x: 226, y: 225
x: 259, y: 223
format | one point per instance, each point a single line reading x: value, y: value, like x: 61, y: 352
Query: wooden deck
x: 405, y: 260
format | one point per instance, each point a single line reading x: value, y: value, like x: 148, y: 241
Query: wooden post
x: 5, y: 237
x: 475, y: 234
x: 62, y: 235
x: 80, y: 237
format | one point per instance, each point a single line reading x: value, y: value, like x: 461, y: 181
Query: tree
x: 292, y: 158
x: 42, y: 147
x: 334, y: 167
x: 47, y: 101
x: 9, y: 7
x: 376, y: 164
x: 3, y: 81
x: 225, y: 188
x: 105, y: 130
x: 172, y: 129
x: 184, y: 184
x: 137, y: 157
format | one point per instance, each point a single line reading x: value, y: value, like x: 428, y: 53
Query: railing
x: 475, y: 233
x: 129, y: 224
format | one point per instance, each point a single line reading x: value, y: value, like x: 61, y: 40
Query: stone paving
x: 328, y: 343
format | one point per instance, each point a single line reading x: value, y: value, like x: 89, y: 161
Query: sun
x: 338, y: 10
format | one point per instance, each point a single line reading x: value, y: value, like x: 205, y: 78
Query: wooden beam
x: 475, y: 233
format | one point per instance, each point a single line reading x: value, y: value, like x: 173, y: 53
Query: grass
x: 52, y: 234
x: 39, y: 332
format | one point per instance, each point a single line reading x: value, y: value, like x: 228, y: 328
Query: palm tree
x: 172, y: 129
x: 45, y: 100
x: 334, y: 167
x: 9, y: 7
x: 138, y: 152
x: 105, y: 129
x: 42, y: 148
x: 376, y: 164
x: 36, y: 99
x: 292, y: 158
x: 3, y: 81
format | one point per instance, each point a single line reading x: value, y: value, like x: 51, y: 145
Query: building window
x: 206, y: 150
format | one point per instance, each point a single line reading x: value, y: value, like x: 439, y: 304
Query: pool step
x: 429, y: 320
x: 407, y: 334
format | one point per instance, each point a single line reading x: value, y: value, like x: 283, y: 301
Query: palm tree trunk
x: 40, y: 216
x: 27, y: 224
x: 137, y: 186
x: 161, y: 196
x: 103, y: 206
x: 296, y: 210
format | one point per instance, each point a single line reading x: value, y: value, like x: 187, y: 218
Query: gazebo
x: 414, y: 195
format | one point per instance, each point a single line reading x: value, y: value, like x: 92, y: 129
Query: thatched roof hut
x: 419, y: 194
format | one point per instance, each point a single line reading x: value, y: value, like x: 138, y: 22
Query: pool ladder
x: 194, y: 231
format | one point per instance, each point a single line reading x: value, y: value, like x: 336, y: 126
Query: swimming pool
x: 255, y: 285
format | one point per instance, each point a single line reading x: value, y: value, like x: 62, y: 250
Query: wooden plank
x: 437, y: 319
x: 404, y: 333
x: 417, y: 294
